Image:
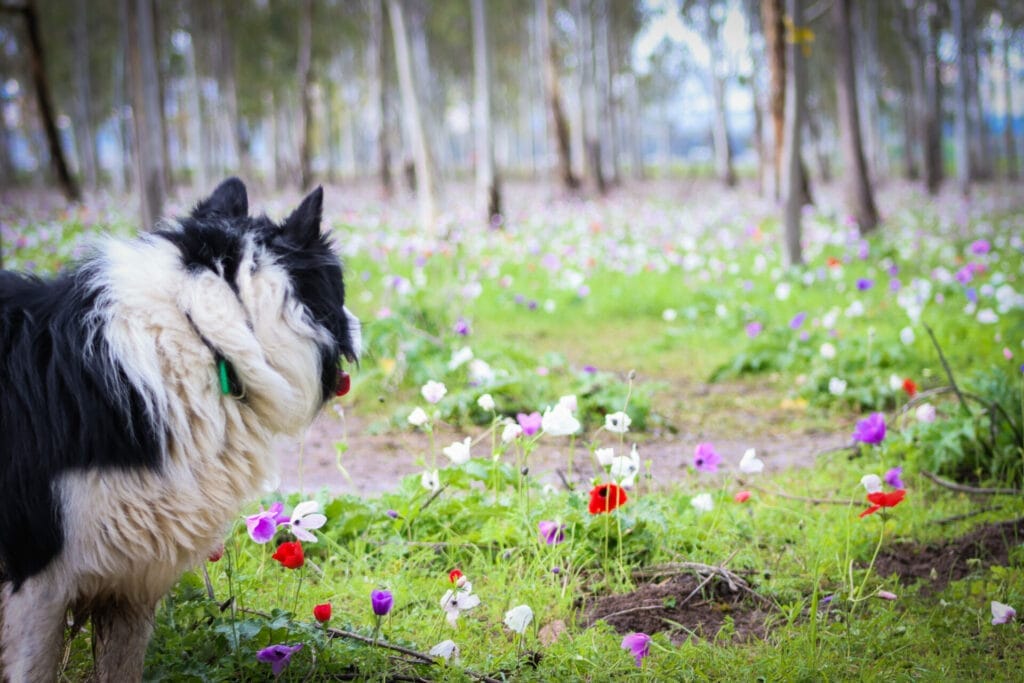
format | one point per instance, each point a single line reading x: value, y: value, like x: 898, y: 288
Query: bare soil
x: 720, y: 413
x: 934, y: 565
x: 680, y: 606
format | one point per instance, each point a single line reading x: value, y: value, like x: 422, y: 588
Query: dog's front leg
x: 33, y: 631
x: 120, y: 633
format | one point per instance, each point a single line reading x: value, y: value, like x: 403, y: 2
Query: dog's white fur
x: 136, y: 531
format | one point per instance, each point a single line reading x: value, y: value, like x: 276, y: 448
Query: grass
x: 675, y: 305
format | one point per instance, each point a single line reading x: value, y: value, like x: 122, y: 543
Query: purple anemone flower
x: 705, y: 459
x: 871, y: 429
x: 797, y: 320
x: 980, y: 247
x: 754, y: 328
x: 381, y: 602
x: 864, y: 284
x: 263, y: 525
x: 892, y: 477
x: 278, y: 656
x: 639, y: 645
x: 530, y: 423
x: 552, y: 532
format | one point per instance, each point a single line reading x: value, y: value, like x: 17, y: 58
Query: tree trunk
x: 146, y: 111
x: 585, y: 57
x: 232, y: 131
x: 375, y: 70
x: 604, y: 50
x: 1009, y: 141
x: 304, y: 74
x: 193, y: 104
x: 775, y: 49
x: 161, y: 95
x: 859, y: 198
x: 916, y: 102
x: 488, y: 197
x: 122, y: 177
x: 961, y: 128
x: 85, y: 131
x: 718, y: 79
x: 792, y: 190
x: 37, y: 66
x: 559, y: 125
x: 933, y: 89
x: 412, y: 122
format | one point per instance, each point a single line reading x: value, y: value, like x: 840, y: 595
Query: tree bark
x: 37, y: 66
x: 792, y: 190
x: 146, y: 111
x: 933, y: 90
x: 961, y: 128
x: 85, y: 131
x: 717, y: 77
x: 1009, y: 141
x: 488, y: 197
x: 585, y: 57
x: 375, y: 70
x: 775, y: 49
x: 304, y: 76
x: 916, y: 102
x: 559, y: 125
x: 412, y: 122
x: 859, y: 198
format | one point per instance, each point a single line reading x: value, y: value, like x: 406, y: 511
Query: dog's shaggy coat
x: 121, y: 460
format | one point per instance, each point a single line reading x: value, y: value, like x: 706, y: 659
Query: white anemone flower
x: 446, y: 650
x: 486, y: 402
x: 1002, y: 613
x: 617, y: 423
x: 418, y: 417
x: 430, y: 480
x: 872, y: 483
x: 458, y: 452
x: 837, y: 386
x: 456, y: 602
x: 559, y: 421
x: 511, y: 432
x: 625, y: 468
x: 433, y: 391
x: 306, y: 516
x: 703, y: 502
x: 518, y: 618
x: 605, y: 456
x: 750, y: 463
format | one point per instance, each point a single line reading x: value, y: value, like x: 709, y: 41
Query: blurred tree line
x: 149, y: 95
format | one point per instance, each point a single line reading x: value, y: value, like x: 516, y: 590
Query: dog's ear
x: 229, y: 200
x: 303, y: 226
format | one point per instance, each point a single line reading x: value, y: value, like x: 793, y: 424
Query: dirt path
x: 721, y: 414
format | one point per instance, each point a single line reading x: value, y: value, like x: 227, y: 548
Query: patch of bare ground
x: 934, y: 565
x: 686, y: 604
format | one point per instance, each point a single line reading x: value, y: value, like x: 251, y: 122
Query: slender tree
x: 792, y: 172
x: 377, y: 97
x: 717, y: 76
x: 488, y: 196
x: 304, y: 75
x: 84, y: 128
x: 1009, y: 143
x: 559, y: 126
x: 37, y: 65
x: 929, y: 29
x: 775, y: 49
x: 412, y: 123
x: 859, y: 197
x: 961, y: 133
x: 146, y: 111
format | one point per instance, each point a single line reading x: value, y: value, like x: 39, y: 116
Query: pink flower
x: 705, y: 459
x: 263, y: 525
x: 530, y: 423
x: 741, y: 496
x: 639, y: 645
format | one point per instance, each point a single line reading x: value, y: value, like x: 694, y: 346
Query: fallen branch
x: 967, y: 515
x: 964, y: 488
x: 421, y: 657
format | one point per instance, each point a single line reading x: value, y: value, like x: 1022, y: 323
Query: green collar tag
x: 222, y: 374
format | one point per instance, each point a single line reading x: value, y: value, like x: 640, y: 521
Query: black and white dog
x: 139, y: 394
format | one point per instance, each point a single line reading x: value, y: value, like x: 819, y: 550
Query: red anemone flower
x: 605, y: 498
x: 882, y: 499
x: 322, y: 613
x: 454, y: 575
x: 910, y: 387
x: 290, y: 554
x: 833, y: 262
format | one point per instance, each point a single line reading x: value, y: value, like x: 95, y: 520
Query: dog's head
x: 284, y: 275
